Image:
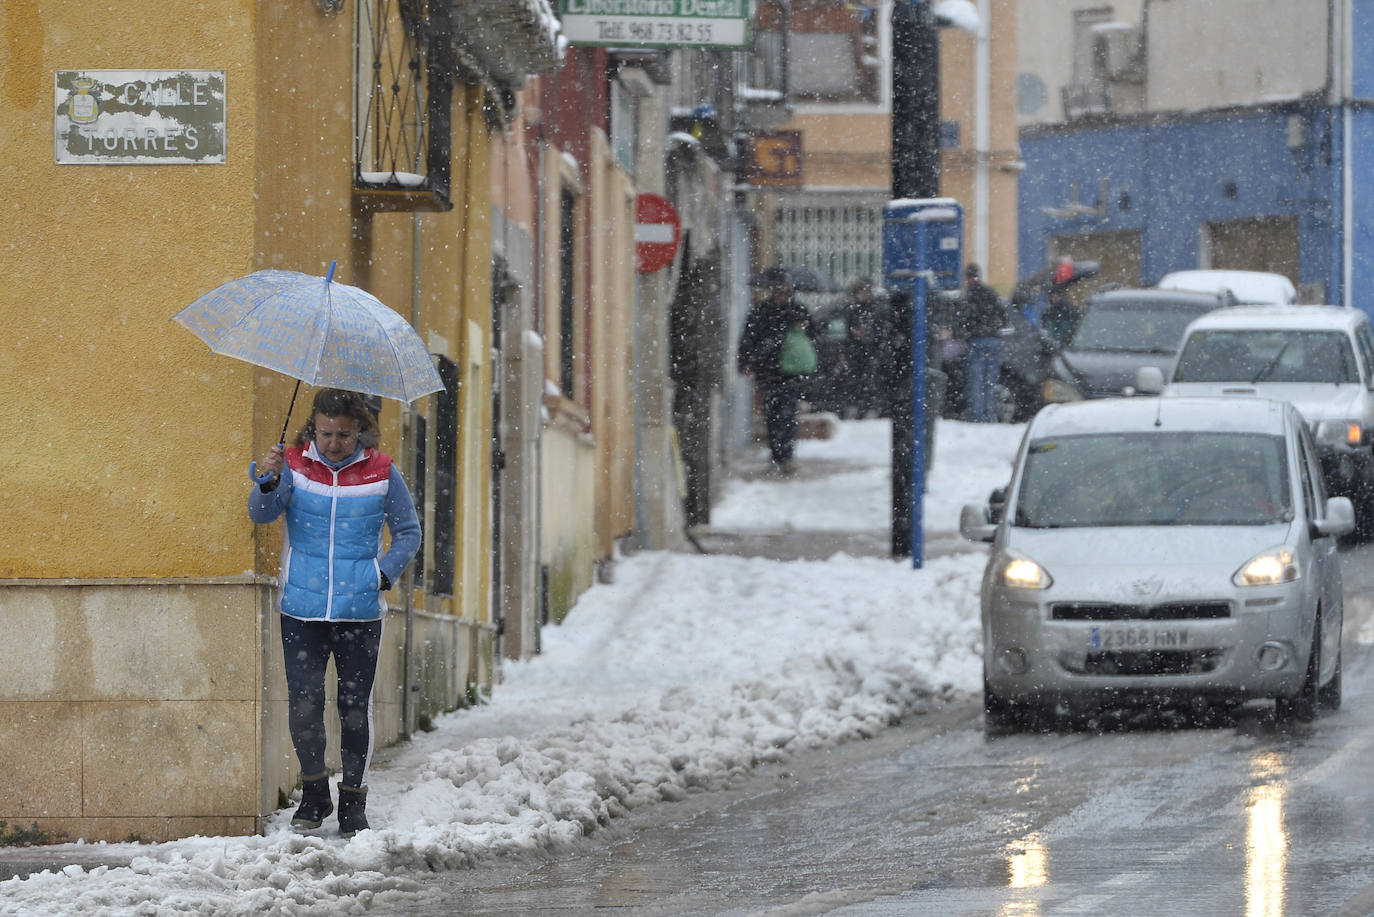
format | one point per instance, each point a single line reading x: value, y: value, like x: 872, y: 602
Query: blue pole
x: 918, y: 416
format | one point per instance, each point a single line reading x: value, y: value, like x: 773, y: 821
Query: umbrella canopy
x: 315, y: 330
x: 801, y: 279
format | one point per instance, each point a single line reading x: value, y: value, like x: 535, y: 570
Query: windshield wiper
x: 1159, y: 350
x: 1269, y: 367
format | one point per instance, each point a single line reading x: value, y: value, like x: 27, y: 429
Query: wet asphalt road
x: 1151, y: 817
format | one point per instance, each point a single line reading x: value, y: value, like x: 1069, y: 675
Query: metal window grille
x: 404, y: 82
x: 844, y: 241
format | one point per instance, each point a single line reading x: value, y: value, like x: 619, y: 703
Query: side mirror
x: 997, y: 504
x: 974, y: 523
x: 1339, y: 519
x: 1149, y: 380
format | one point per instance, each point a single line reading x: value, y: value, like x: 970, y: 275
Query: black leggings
x: 306, y: 648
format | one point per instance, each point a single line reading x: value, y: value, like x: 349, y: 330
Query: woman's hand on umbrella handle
x: 271, y: 465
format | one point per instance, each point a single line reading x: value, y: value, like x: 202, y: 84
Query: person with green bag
x: 777, y: 348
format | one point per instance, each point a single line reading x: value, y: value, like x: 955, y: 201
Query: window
x: 567, y: 294
x: 843, y: 240
x: 1311, y: 476
x: 445, y: 479
x: 1133, y: 479
x: 1087, y: 93
x: 1265, y: 355
x: 1085, y: 45
x: 401, y: 105
x: 835, y: 53
x: 624, y: 125
x: 1364, y: 340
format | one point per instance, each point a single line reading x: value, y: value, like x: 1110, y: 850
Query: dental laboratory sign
x: 656, y: 23
x: 139, y: 117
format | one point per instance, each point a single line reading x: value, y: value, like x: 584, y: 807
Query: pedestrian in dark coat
x: 984, y: 316
x: 760, y: 355
x: 867, y: 333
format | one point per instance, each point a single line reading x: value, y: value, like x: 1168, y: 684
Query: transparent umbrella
x: 316, y: 331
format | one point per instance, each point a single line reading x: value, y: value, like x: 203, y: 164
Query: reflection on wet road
x: 1152, y: 817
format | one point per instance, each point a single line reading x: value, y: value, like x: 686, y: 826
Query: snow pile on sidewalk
x: 685, y: 673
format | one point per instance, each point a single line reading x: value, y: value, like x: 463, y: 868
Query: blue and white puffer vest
x: 334, y: 537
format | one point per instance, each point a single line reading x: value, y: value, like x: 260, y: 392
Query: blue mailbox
x: 923, y: 249
x: 924, y: 236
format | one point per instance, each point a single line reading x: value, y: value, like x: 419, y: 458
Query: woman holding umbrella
x: 336, y: 491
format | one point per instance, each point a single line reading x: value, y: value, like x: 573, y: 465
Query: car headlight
x: 1271, y: 568
x: 1023, y: 573
x: 1333, y: 432
x: 1056, y: 390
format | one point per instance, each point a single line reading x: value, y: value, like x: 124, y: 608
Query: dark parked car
x: 1118, y: 332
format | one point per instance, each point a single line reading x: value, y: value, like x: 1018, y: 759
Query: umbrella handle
x: 253, y: 468
x: 261, y: 479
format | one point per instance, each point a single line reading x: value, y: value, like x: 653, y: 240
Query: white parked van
x: 1320, y: 358
x: 1244, y: 287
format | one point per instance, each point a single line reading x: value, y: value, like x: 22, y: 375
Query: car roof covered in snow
x: 1244, y: 286
x: 1302, y: 318
x: 1156, y: 415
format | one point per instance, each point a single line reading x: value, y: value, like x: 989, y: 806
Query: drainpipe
x: 407, y: 445
x: 982, y: 155
x: 1345, y: 89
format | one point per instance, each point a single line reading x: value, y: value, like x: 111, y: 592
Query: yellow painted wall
x: 131, y: 440
x: 124, y: 426
x: 612, y: 199
x: 568, y: 458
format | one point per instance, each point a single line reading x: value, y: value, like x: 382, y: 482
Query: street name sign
x: 138, y: 117
x: 656, y: 23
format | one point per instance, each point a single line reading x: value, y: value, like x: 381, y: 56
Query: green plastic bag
x: 798, y: 353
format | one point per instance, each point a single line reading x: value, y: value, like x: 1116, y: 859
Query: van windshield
x: 1118, y: 479
x: 1267, y: 355
x: 1134, y: 326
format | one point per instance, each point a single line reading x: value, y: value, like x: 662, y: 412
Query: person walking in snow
x: 766, y: 353
x: 984, y: 316
x: 336, y: 491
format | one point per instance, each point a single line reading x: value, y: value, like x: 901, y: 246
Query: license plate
x: 1138, y: 638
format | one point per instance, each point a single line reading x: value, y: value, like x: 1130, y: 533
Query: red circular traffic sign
x: 657, y: 233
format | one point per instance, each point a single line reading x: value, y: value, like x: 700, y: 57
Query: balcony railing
x: 1086, y: 99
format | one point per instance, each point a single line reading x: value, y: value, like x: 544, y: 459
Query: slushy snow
x: 680, y: 676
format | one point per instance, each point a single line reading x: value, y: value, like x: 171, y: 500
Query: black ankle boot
x: 352, y: 802
x: 315, y: 801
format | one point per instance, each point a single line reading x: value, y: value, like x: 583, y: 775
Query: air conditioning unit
x: 1117, y: 53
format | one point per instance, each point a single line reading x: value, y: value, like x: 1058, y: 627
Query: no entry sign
x: 657, y: 233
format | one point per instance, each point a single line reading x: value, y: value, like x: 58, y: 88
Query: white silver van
x: 1320, y: 358
x: 1154, y: 550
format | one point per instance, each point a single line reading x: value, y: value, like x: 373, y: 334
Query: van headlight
x: 1057, y: 390
x: 1336, y: 432
x: 1022, y: 573
x: 1271, y: 568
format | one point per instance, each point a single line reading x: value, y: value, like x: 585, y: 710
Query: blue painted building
x: 1279, y: 184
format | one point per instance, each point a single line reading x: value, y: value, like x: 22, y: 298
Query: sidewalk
x: 789, y: 543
